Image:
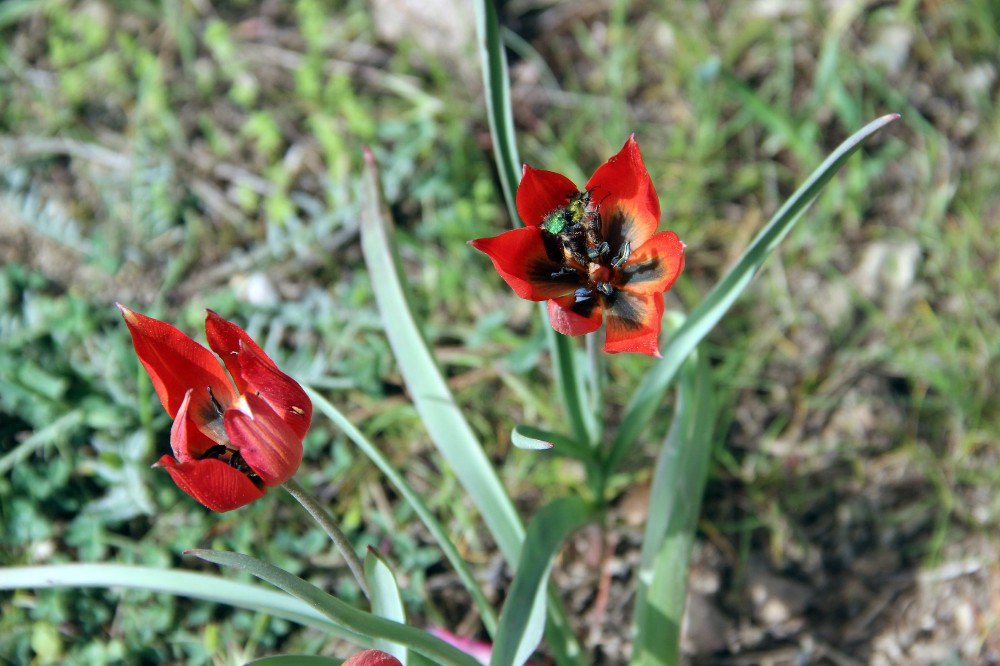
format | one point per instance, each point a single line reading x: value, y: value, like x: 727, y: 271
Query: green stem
x: 486, y: 611
x: 329, y: 525
x: 595, y: 362
x: 570, y: 384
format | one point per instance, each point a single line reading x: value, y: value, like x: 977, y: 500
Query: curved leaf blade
x: 520, y: 632
x: 703, y: 318
x: 342, y: 613
x: 178, y: 583
x: 496, y: 81
x: 386, y: 600
x: 443, y: 419
x: 531, y: 439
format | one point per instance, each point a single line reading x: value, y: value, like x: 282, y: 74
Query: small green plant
x: 593, y: 254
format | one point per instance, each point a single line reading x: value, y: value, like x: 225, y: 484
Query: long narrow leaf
x: 386, y: 600
x: 520, y: 632
x: 416, y: 502
x: 342, y: 613
x: 654, y: 385
x: 448, y: 428
x: 674, y: 504
x: 496, y: 82
x: 178, y: 583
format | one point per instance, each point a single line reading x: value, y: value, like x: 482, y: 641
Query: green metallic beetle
x: 577, y: 211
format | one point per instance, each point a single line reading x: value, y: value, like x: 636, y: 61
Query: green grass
x: 176, y: 160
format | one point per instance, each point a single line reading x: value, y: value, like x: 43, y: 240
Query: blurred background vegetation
x: 182, y: 154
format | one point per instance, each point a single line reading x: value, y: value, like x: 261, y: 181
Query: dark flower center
x: 575, y: 240
x: 234, y: 459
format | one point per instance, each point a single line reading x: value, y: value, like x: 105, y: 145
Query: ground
x: 180, y: 155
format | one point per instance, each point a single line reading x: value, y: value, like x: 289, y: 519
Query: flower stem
x: 595, y: 362
x: 329, y: 525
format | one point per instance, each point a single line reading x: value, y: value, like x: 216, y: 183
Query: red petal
x: 521, y: 259
x: 633, y: 323
x: 186, y: 440
x: 621, y: 187
x: 266, y: 442
x: 654, y: 266
x: 372, y: 658
x: 568, y: 318
x: 212, y: 482
x: 224, y: 337
x: 255, y: 372
x: 177, y: 363
x: 541, y: 192
x: 285, y: 396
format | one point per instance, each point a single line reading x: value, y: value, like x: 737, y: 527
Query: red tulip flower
x: 595, y: 254
x: 231, y: 439
x: 373, y: 658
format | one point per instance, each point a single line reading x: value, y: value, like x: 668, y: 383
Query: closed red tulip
x: 234, y: 435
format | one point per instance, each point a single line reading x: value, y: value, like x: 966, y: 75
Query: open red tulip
x: 231, y: 439
x: 595, y: 254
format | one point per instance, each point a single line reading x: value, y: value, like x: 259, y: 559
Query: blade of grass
x: 445, y: 422
x: 766, y: 113
x: 678, y: 485
x: 15, y: 10
x: 55, y: 431
x: 342, y: 613
x: 654, y: 385
x: 386, y: 600
x: 520, y: 633
x: 496, y: 82
x: 486, y: 611
x: 178, y: 583
x: 493, y: 60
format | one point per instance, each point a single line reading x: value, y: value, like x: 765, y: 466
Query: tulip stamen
x: 599, y: 251
x: 564, y: 271
x: 215, y: 402
x: 623, y: 255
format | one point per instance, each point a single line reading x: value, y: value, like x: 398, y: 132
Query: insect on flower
x: 231, y: 439
x: 595, y: 254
